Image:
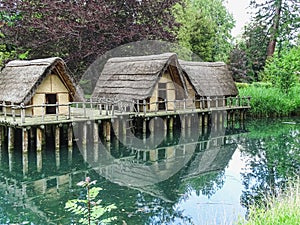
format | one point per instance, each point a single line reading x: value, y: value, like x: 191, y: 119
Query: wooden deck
x: 107, y: 110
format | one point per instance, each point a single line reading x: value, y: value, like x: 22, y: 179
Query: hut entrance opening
x: 162, y: 96
x: 51, y: 99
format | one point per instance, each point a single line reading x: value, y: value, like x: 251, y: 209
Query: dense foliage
x: 79, y: 31
x: 274, y: 27
x: 283, y: 72
x: 205, y: 27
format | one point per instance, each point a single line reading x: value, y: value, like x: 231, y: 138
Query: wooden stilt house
x: 154, y: 81
x: 34, y: 83
x: 208, y: 80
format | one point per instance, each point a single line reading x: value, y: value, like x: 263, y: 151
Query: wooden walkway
x: 15, y: 116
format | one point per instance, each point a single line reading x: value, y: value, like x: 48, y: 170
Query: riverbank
x: 283, y: 208
x: 268, y: 101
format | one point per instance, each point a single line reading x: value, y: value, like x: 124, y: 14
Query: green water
x: 197, y: 178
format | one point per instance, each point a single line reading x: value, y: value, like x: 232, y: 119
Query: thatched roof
x: 210, y: 78
x: 19, y: 79
x: 135, y: 77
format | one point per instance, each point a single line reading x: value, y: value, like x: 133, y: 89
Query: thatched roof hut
x: 20, y: 79
x: 136, y: 77
x: 209, y: 78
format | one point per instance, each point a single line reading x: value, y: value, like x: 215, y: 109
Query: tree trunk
x: 274, y: 29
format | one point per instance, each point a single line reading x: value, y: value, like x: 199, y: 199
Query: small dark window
x: 51, y: 99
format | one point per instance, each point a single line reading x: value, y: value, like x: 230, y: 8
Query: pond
x: 197, y: 177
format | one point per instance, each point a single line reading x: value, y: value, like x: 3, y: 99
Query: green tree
x: 283, y: 71
x: 280, y: 18
x: 205, y: 27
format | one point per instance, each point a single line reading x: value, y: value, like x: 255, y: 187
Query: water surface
x: 207, y: 177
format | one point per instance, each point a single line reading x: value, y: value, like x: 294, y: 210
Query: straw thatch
x: 19, y: 79
x: 135, y: 77
x: 210, y: 78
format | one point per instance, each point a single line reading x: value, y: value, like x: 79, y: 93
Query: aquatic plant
x: 90, y: 209
x: 270, y: 101
x: 283, y: 208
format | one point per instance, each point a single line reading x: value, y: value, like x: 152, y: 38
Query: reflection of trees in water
x: 274, y: 157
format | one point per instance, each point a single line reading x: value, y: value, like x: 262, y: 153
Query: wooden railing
x: 110, y: 107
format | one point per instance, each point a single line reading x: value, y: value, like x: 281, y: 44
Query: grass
x: 283, y: 209
x: 270, y: 101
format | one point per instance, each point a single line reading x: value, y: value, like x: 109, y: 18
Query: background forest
x: 81, y: 30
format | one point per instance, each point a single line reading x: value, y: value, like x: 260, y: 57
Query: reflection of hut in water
x: 153, y: 79
x: 208, y: 79
x: 150, y: 167
x: 37, y: 82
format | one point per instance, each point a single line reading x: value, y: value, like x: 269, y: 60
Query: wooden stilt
x: 57, y: 137
x: 116, y: 127
x: 57, y: 146
x: 96, y: 132
x: 171, y: 124
x: 96, y: 152
x: 84, y: 134
x: 124, y: 131
x: 70, y: 136
x: 39, y: 139
x: 10, y: 159
x: 108, y: 131
x: 11, y: 138
x: 25, y: 151
x: 152, y: 126
x: 144, y: 130
x: 39, y: 161
x: 84, y: 152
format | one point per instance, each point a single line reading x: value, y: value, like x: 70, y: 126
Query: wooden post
x: 124, y: 130
x: 57, y: 146
x: 208, y: 102
x: 11, y: 138
x: 57, y: 137
x: 95, y: 132
x: 70, y: 143
x: 96, y: 152
x: 56, y: 111
x: 152, y: 126
x: 116, y: 127
x: 84, y: 134
x: 165, y: 125
x: 22, y: 113
x: 206, y: 120
x: 39, y: 139
x: 100, y: 109
x: 10, y: 159
x: 25, y: 151
x: 200, y: 116
x: 69, y: 111
x: 108, y: 131
x: 171, y: 124
x: 144, y: 128
x: 144, y: 107
x: 183, y: 122
x: 39, y: 161
x: 13, y: 112
x: 70, y: 136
